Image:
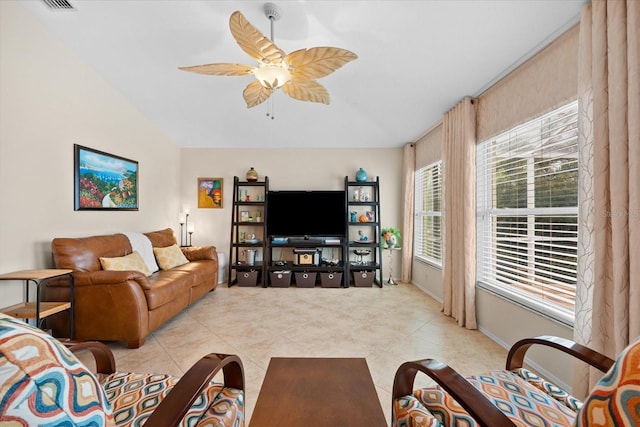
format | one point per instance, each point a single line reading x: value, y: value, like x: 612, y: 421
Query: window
x: 428, y: 234
x: 527, y: 216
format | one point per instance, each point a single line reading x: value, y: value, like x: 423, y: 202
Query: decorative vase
x: 252, y: 175
x: 361, y: 175
x: 392, y: 241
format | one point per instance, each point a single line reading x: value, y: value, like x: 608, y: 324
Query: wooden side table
x: 39, y: 310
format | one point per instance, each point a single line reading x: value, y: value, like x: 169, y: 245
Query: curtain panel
x: 408, y: 173
x: 608, y: 293
x: 459, y: 216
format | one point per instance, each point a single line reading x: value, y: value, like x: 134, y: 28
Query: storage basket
x: 280, y: 279
x: 305, y: 279
x: 363, y: 279
x: 331, y: 280
x: 247, y: 277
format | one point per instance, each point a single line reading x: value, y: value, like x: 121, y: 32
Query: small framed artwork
x: 210, y: 193
x: 244, y: 215
x: 371, y: 216
x: 104, y: 181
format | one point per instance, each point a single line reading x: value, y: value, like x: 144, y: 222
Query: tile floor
x: 386, y: 325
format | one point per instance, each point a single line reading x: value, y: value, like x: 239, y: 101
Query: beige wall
x: 49, y: 100
x: 287, y: 169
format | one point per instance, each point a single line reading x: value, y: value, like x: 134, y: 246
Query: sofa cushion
x: 43, y: 383
x: 162, y: 238
x: 514, y: 396
x: 201, y: 270
x: 83, y: 254
x: 169, y: 257
x: 131, y: 262
x: 136, y: 396
x: 167, y: 286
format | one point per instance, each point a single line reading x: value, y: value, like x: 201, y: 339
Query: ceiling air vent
x: 58, y: 4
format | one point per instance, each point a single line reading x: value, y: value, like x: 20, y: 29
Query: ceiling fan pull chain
x: 270, y: 109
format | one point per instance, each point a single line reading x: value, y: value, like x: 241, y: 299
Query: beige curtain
x: 459, y: 165
x: 608, y: 292
x: 408, y: 173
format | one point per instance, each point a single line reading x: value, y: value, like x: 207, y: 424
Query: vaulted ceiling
x: 416, y: 60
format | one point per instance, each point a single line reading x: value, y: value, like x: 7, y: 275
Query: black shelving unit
x: 347, y: 259
x: 363, y: 199
x: 248, y: 219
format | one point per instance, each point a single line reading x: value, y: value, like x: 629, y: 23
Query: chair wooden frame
x: 179, y: 400
x: 474, y: 402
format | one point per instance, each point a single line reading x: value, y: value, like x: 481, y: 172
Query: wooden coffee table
x: 317, y: 392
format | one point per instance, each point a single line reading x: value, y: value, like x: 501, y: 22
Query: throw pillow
x: 170, y: 257
x: 615, y: 400
x: 43, y: 383
x: 133, y: 261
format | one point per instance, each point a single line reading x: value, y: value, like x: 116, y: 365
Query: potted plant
x: 390, y: 238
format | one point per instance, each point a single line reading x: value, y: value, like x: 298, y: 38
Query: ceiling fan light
x: 272, y: 76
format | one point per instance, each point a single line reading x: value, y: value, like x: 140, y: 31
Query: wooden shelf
x: 38, y: 310
x: 27, y: 310
x: 35, y: 274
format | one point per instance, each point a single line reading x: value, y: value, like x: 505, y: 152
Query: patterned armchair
x: 43, y: 383
x: 518, y: 397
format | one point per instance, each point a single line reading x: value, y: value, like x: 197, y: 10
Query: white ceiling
x: 416, y: 60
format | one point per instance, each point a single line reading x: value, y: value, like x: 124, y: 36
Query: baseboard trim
x: 426, y: 291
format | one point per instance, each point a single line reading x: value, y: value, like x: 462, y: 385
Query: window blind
x: 428, y: 235
x: 527, y: 213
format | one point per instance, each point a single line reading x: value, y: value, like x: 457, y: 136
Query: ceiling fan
x: 294, y: 73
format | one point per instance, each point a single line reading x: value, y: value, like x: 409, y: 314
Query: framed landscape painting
x: 104, y: 181
x: 210, y: 193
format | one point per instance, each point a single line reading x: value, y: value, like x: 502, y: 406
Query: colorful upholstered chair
x: 516, y: 396
x: 42, y: 382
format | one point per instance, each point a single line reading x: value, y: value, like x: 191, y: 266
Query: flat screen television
x: 306, y: 213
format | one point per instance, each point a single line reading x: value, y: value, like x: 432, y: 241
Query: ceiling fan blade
x: 252, y: 41
x: 255, y: 94
x: 317, y: 62
x: 220, y: 69
x: 306, y: 90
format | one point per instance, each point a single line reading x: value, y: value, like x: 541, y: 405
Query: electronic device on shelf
x: 309, y: 241
x: 306, y: 213
x: 306, y: 256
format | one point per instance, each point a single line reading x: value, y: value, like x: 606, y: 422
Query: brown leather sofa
x: 125, y: 305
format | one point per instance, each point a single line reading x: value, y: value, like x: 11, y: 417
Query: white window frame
x: 525, y: 254
x: 431, y: 250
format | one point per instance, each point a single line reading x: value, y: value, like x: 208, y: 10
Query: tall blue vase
x: 361, y: 175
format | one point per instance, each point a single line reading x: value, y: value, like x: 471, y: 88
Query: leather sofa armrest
x: 195, y: 253
x: 109, y: 277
